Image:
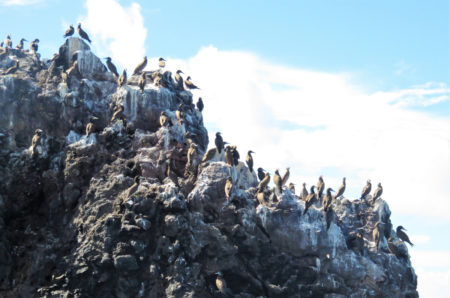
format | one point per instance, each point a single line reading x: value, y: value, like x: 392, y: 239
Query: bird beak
x: 332, y: 190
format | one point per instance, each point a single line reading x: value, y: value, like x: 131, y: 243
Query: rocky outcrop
x: 74, y: 223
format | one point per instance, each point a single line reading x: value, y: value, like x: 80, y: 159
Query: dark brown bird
x: 327, y: 200
x: 35, y: 141
x: 228, y: 187
x: 140, y: 66
x: 261, y: 174
x: 69, y: 32
x: 277, y: 181
x: 122, y: 80
x: 82, y: 33
x: 90, y: 127
x: 376, y: 235
x: 117, y: 114
x: 285, y: 177
x: 189, y: 84
x: 229, y: 156
x: 19, y: 46
x: 320, y: 187
x: 329, y: 216
x: 292, y: 188
x: 264, y: 182
x: 179, y: 112
x: 304, y: 193
x: 13, y: 68
x: 112, y: 68
x: 310, y: 199
x: 402, y: 235
x: 235, y: 155
x: 341, y: 189
x: 192, y: 151
x: 221, y: 285
x: 179, y: 80
x: 219, y: 142
x: 8, y: 42
x: 366, y: 190
x: 200, y: 104
x: 163, y: 119
x: 395, y: 250
x: 209, y: 154
x: 378, y: 192
x: 249, y: 160
x: 34, y: 45
x: 134, y: 187
x: 161, y: 63
x: 141, y: 82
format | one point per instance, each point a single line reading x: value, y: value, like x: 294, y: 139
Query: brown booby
x: 82, y: 33
x: 112, y: 68
x: 366, y: 190
x: 219, y: 142
x: 341, y: 189
x: 200, y: 104
x: 402, y: 235
x: 140, y: 66
x: 189, y: 84
x: 378, y: 192
x: 69, y: 32
x: 310, y: 199
x: 249, y: 160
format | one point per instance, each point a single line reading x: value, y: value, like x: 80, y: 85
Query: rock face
x: 73, y: 222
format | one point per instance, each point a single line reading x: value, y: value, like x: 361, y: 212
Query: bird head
x: 312, y: 188
x: 304, y: 184
x: 188, y: 78
x: 36, y: 40
x: 401, y: 228
x: 161, y: 59
x: 343, y: 179
x: 330, y: 189
x: 230, y: 179
x: 179, y: 71
x: 79, y: 25
x: 218, y: 133
x: 163, y: 113
x: 250, y: 152
x: 379, y: 184
x: 277, y: 172
x: 368, y: 181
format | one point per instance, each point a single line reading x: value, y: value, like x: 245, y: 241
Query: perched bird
x: 320, y: 187
x: 360, y: 242
x: 8, y: 42
x: 13, y: 68
x: 219, y: 142
x: 228, y: 187
x: 82, y: 33
x: 122, y: 80
x: 378, y: 192
x: 179, y: 112
x: 189, y: 84
x: 261, y: 174
x: 264, y: 182
x: 19, y: 46
x: 366, y: 190
x: 277, y: 180
x: 329, y: 216
x: 69, y: 32
x: 327, y: 199
x: 90, y: 126
x: 235, y: 155
x: 112, y: 68
x: 192, y: 151
x: 179, y: 80
x: 209, y: 154
x: 229, y: 156
x: 402, y: 235
x: 170, y: 173
x: 141, y: 82
x: 221, y: 285
x: 310, y: 199
x: 1, y: 44
x: 34, y: 45
x: 341, y: 189
x: 285, y: 177
x: 161, y: 63
x: 292, y: 187
x: 35, y: 141
x: 376, y: 234
x: 393, y: 249
x: 134, y: 187
x: 140, y: 66
x: 117, y: 114
x: 249, y: 160
x: 72, y: 69
x: 304, y: 193
x: 200, y: 104
x: 163, y: 119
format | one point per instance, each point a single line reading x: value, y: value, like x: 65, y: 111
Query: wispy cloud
x: 116, y: 31
x: 19, y: 2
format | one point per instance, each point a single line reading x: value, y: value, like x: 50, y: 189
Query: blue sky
x: 363, y: 84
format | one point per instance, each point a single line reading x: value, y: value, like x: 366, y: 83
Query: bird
x: 122, y: 80
x: 229, y: 156
x: 161, y: 63
x: 219, y: 142
x: 140, y: 66
x: 221, y: 285
x: 228, y: 187
x: 82, y: 33
x: 189, y: 84
x: 329, y: 216
x: 134, y: 187
x: 163, y: 119
x: 320, y: 187
x: 341, y: 189
x: 35, y: 141
x: 19, y: 46
x: 304, y: 193
x: 292, y: 187
x: 34, y: 45
x: 112, y: 68
x: 69, y: 32
x: 179, y: 80
x: 285, y: 177
x: 1, y: 44
x: 393, y: 249
x: 190, y: 155
x: 376, y: 234
x: 277, y: 180
x: 378, y: 192
x: 235, y: 155
x: 179, y: 112
x: 8, y: 42
x: 402, y: 235
x: 141, y: 82
x: 13, y: 68
x: 90, y: 126
x: 327, y: 199
x: 117, y: 114
x: 73, y: 68
x: 310, y: 199
x: 366, y: 190
x: 249, y: 160
x: 200, y: 104
x: 261, y: 174
x: 209, y: 154
x: 264, y: 182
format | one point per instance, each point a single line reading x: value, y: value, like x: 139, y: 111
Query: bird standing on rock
x: 277, y: 181
x: 329, y: 216
x: 122, y: 80
x: 320, y: 187
x: 134, y: 187
x: 35, y: 141
x: 221, y: 285
x: 341, y: 189
x: 228, y: 187
x: 200, y: 104
x: 327, y: 199
x: 90, y: 126
x: 141, y: 82
x: 310, y: 199
x: 189, y: 84
x: 190, y: 156
x: 378, y: 192
x: 235, y: 155
x: 140, y: 66
x: 112, y: 68
x: 366, y: 190
x: 69, y: 32
x: 71, y: 69
x: 179, y: 112
x: 292, y: 188
x: 376, y: 235
x: 285, y: 177
x: 19, y: 46
x: 161, y: 63
x: 261, y: 174
x: 8, y: 42
x: 34, y: 45
x: 219, y: 142
x: 249, y: 160
x: 264, y: 182
x: 179, y: 80
x: 163, y: 119
x: 229, y: 156
x: 82, y: 33
x: 402, y: 235
x: 13, y: 68
x: 117, y: 114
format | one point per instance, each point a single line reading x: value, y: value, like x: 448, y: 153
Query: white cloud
x: 420, y: 239
x: 116, y: 31
x: 318, y: 123
x: 19, y: 2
